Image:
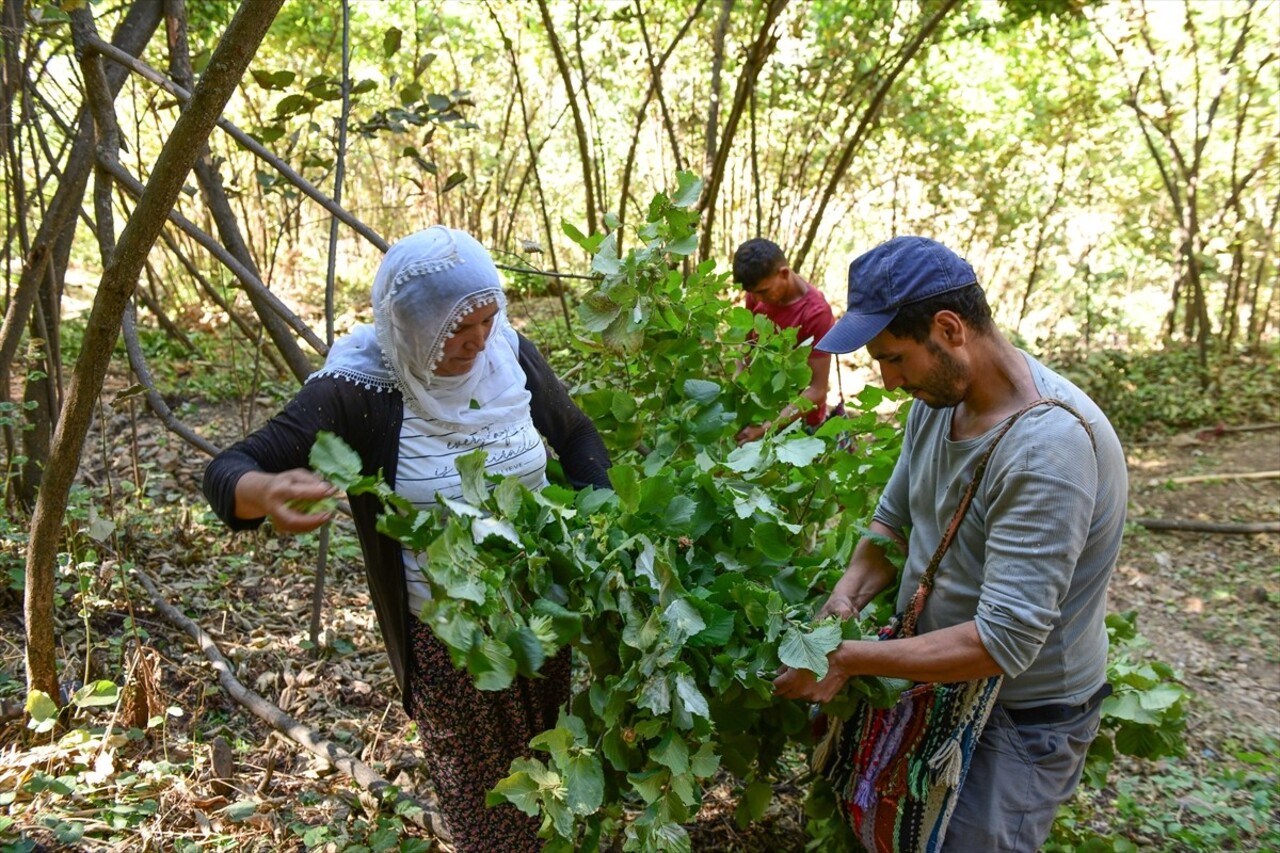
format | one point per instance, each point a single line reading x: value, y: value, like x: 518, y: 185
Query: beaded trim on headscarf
x: 358, y: 359
x: 479, y: 299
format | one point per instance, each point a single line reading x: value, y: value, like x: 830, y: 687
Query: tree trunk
x: 215, y: 199
x: 40, y: 394
x: 13, y: 22
x: 869, y: 117
x: 757, y: 55
x: 655, y: 72
x: 755, y: 167
x: 1042, y: 235
x: 655, y: 78
x: 713, y: 100
x: 330, y: 279
x: 533, y: 165
x: 1181, y: 173
x: 1257, y: 324
x: 250, y: 334
x: 580, y: 128
x: 248, y: 280
x: 598, y: 164
x: 13, y: 71
x: 190, y: 133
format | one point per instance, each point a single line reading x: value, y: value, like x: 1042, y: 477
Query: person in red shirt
x: 774, y: 290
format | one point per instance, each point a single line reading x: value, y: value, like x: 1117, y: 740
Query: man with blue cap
x: 1021, y: 591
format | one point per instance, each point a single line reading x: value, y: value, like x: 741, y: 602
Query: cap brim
x: 853, y: 331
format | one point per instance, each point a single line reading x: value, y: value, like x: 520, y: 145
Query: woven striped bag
x: 897, y: 771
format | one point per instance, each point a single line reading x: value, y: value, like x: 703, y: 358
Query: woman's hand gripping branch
x: 287, y: 498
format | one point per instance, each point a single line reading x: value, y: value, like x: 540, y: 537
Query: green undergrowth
x: 1149, y: 393
x: 1144, y: 789
x: 1223, y: 800
x: 211, y: 365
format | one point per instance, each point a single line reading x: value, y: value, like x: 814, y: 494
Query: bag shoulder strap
x: 916, y: 606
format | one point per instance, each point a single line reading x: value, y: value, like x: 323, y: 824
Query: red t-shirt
x: 811, y: 316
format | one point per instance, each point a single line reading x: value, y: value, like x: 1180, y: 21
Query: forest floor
x: 1207, y: 602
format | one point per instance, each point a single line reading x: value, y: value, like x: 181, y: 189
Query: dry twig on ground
x: 422, y: 815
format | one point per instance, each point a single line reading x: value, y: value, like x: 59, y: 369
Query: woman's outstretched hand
x: 288, y: 498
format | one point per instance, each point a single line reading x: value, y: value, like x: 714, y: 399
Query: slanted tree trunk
x: 190, y: 133
x: 533, y: 162
x: 598, y: 160
x: 655, y: 84
x: 713, y: 101
x: 655, y: 73
x: 1258, y: 319
x: 330, y: 282
x: 215, y: 198
x: 1180, y: 164
x: 757, y: 55
x: 870, y: 115
x: 579, y: 126
x: 1042, y: 237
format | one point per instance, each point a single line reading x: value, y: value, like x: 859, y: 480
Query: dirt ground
x: 1207, y: 602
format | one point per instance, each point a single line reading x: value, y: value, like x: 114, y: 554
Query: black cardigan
x: 369, y: 420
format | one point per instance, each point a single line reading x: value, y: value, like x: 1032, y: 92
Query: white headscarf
x: 426, y: 283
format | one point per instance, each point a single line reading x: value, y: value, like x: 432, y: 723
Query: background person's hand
x: 802, y: 684
x: 840, y: 605
x: 751, y: 432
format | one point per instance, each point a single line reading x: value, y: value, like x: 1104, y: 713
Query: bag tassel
x: 823, y: 751
x: 948, y: 762
x: 865, y: 794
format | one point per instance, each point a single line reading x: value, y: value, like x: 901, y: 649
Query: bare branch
x: 243, y: 274
x: 226, y: 66
x: 247, y: 142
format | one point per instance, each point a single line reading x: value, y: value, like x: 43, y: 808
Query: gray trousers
x: 1021, y: 774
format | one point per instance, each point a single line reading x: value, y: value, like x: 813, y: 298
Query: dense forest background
x: 1109, y: 169
x: 196, y: 195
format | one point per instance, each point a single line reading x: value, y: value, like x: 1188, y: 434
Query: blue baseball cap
x: 893, y: 274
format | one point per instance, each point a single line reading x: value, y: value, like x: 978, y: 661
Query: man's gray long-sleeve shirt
x: 1032, y: 559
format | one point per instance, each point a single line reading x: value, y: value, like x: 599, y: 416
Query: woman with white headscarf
x: 439, y: 374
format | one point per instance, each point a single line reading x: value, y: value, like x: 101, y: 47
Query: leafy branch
x: 685, y: 587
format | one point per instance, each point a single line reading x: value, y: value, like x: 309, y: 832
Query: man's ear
x: 950, y: 328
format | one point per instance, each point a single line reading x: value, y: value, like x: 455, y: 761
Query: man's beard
x: 943, y: 388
